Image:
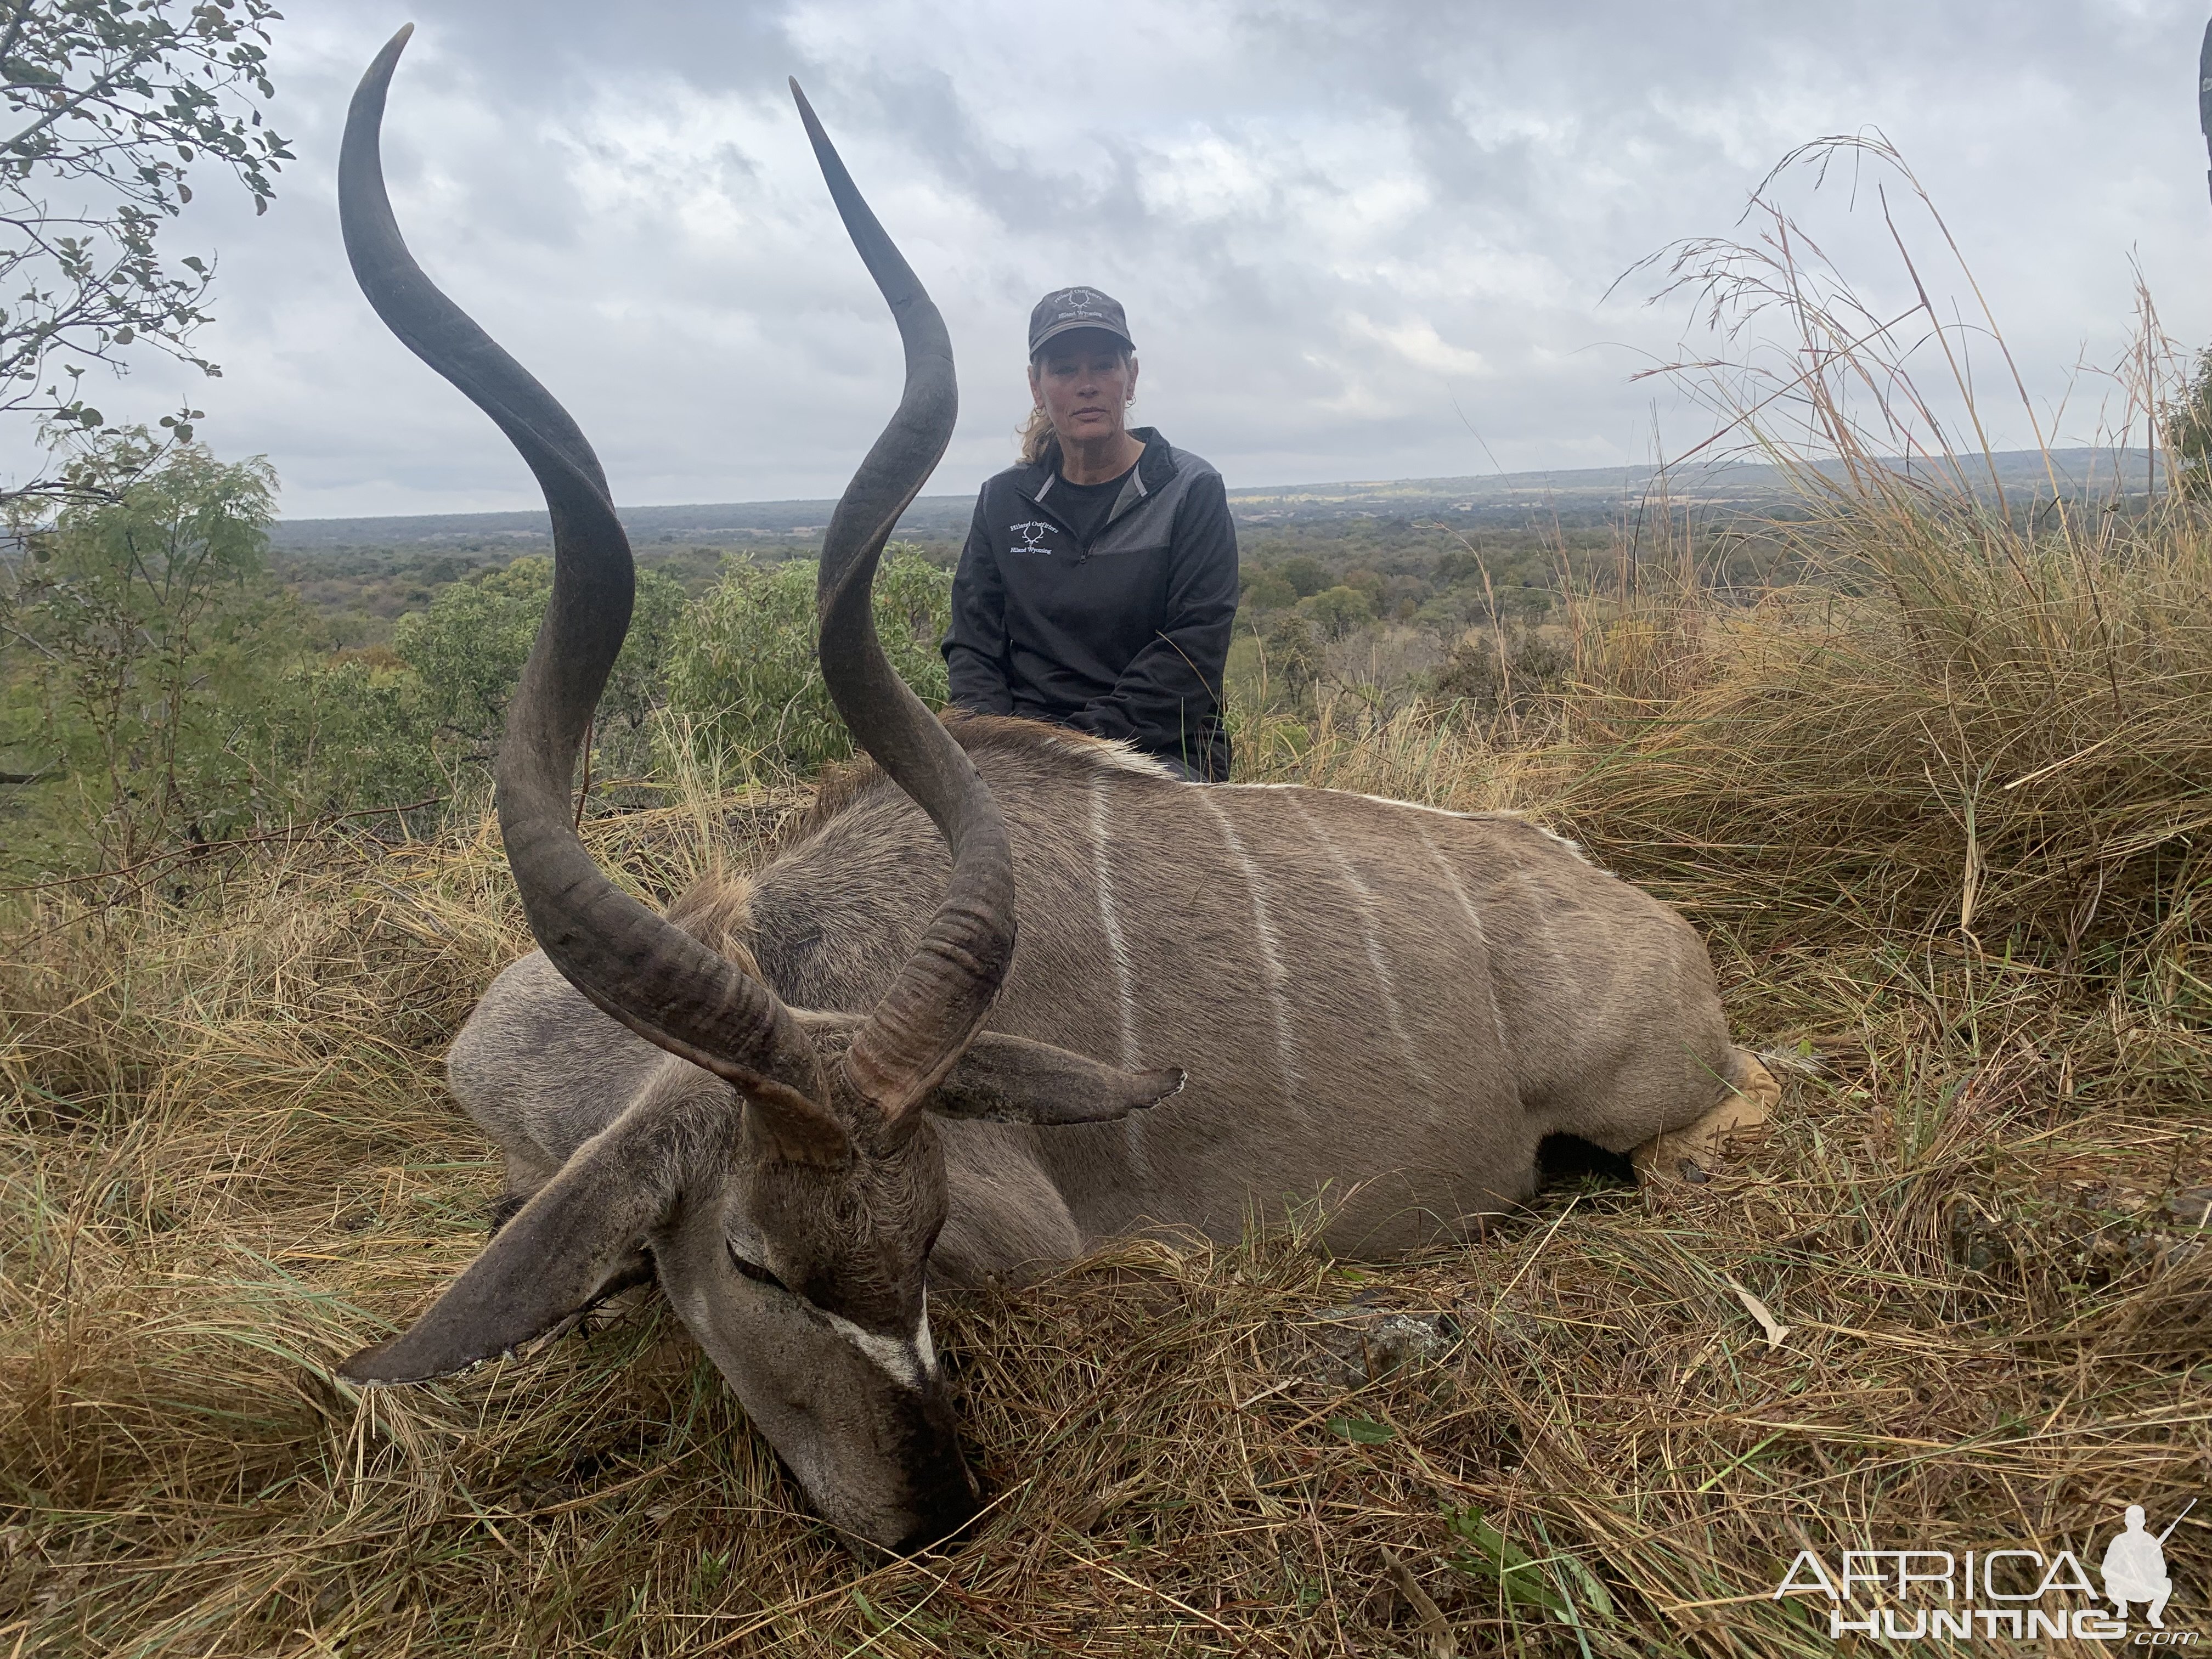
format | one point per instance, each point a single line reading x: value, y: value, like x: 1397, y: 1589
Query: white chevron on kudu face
x: 911, y: 1363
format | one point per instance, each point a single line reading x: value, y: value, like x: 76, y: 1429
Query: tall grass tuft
x: 1969, y: 715
x: 1956, y: 725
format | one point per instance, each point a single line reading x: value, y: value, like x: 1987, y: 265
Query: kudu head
x: 787, y: 1182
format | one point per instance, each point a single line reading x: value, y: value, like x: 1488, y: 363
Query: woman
x: 1099, y: 580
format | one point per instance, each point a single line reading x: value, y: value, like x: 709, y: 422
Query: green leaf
x: 1586, y: 1586
x: 1365, y: 1431
x: 1491, y: 1556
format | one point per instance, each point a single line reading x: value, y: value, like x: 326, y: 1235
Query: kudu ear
x: 1010, y: 1079
x: 580, y: 1238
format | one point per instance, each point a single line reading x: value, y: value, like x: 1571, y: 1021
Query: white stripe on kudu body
x: 1473, y: 925
x: 1102, y: 867
x: 1101, y: 863
x: 1271, y: 956
x: 1386, y: 987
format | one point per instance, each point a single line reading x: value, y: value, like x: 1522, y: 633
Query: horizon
x: 2022, y: 463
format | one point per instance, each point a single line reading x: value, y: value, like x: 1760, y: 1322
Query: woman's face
x: 1084, y: 382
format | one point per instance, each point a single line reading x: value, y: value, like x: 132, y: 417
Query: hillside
x: 1505, y: 499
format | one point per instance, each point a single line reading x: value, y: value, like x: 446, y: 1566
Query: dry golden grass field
x: 1944, y: 812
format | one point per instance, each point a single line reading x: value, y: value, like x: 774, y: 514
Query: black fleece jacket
x: 1124, y: 637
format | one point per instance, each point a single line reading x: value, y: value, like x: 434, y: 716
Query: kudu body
x: 783, y: 1099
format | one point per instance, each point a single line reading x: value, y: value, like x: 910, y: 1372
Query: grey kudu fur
x: 1381, y: 1006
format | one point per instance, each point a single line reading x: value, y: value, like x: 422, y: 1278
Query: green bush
x: 742, y: 672
x: 343, y: 733
x: 147, y: 624
x: 2188, y: 422
x: 1304, y: 574
x: 468, y: 649
x: 1265, y: 589
x: 1477, y: 684
x: 1338, y: 610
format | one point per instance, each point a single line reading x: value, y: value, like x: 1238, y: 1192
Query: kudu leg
x: 1693, y: 1152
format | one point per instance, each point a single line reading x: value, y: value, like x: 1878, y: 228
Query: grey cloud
x: 1345, y: 234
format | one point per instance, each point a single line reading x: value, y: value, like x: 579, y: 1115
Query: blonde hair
x: 1038, y: 444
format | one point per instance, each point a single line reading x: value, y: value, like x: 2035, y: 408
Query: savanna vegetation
x: 1928, y: 770
x: 171, y: 686
x: 166, y: 698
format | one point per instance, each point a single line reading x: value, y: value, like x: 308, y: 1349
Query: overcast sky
x: 1356, y: 238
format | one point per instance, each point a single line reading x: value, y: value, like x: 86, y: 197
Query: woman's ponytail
x: 1038, y: 445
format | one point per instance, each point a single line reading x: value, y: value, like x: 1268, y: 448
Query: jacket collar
x: 1154, y: 469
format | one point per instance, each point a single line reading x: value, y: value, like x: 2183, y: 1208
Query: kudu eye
x: 753, y: 1270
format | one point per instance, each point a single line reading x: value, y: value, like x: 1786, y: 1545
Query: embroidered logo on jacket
x: 1030, y: 534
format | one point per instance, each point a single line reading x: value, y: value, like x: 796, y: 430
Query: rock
x: 2191, y: 1206
x: 1350, y: 1347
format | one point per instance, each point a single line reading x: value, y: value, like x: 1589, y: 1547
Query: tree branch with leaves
x: 106, y: 105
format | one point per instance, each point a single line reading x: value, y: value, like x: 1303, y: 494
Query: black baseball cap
x: 1067, y: 309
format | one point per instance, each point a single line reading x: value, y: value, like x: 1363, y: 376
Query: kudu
x: 783, y: 1098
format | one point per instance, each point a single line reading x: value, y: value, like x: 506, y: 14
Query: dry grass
x: 1942, y: 811
x: 229, y: 1161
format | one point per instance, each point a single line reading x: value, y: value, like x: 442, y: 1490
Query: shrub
x: 151, y: 624
x: 1263, y: 589
x: 1480, y: 683
x: 1304, y: 574
x: 2188, y: 422
x: 741, y: 668
x: 341, y: 733
x: 469, y: 646
x: 1338, y: 610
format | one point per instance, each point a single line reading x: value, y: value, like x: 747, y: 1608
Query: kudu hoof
x: 1693, y: 1153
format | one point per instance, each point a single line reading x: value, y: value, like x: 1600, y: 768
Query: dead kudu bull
x: 801, y: 1100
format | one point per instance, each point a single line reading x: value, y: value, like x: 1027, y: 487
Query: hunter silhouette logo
x: 1030, y: 533
x: 2135, y: 1567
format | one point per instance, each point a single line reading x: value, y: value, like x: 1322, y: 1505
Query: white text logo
x: 2014, y: 1594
